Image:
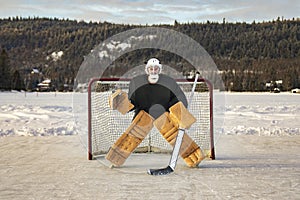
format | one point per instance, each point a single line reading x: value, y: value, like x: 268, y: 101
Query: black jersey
x: 157, y: 98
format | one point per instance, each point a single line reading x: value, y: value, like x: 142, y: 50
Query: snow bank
x: 36, y: 114
x: 262, y: 114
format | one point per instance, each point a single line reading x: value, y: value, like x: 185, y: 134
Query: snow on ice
x: 262, y: 114
x: 45, y: 114
x: 36, y: 114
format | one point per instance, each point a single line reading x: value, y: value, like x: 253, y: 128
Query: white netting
x: 108, y: 125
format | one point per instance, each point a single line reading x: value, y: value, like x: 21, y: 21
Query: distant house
x: 32, y: 78
x: 296, y: 90
x: 274, y: 86
x: 44, y: 86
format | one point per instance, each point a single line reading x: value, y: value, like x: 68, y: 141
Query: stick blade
x: 160, y: 172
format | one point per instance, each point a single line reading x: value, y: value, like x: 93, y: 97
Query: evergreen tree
x: 5, y: 77
x: 17, y: 82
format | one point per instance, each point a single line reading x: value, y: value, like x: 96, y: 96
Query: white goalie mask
x: 153, y: 69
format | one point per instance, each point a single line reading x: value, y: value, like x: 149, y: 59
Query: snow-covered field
x: 36, y: 114
x: 44, y: 114
x: 262, y: 114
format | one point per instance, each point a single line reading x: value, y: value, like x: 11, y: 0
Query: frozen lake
x: 257, y: 157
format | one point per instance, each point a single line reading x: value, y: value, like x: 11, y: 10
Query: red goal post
x: 105, y: 125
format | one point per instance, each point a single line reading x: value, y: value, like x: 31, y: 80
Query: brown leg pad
x: 189, y: 150
x: 180, y: 115
x: 194, y: 158
x: 130, y: 139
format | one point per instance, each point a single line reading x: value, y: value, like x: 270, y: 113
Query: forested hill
x: 248, y: 55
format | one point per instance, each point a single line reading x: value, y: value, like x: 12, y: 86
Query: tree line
x: 248, y: 55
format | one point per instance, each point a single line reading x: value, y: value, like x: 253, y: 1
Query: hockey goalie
x: 158, y: 101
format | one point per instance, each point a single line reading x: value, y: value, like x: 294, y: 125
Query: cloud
x: 248, y: 11
x: 153, y: 12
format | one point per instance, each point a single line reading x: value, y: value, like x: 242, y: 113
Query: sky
x: 154, y: 11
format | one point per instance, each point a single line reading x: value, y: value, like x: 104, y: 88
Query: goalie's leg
x: 130, y: 139
x: 189, y: 150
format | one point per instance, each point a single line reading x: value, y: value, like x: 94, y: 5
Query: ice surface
x: 251, y: 163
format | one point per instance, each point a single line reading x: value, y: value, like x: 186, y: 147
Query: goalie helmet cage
x: 105, y: 125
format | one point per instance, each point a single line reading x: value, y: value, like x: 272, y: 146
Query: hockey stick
x: 175, y: 153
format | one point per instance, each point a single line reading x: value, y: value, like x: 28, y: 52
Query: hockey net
x: 105, y: 125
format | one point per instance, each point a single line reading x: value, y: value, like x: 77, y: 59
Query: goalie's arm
x: 131, y: 92
x: 119, y: 101
x: 177, y: 95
